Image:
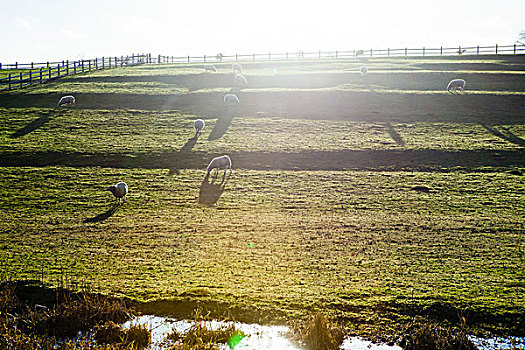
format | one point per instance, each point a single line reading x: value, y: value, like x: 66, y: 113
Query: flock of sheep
x: 223, y: 162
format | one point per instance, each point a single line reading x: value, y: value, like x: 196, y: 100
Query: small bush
x: 75, y: 315
x: 318, y: 333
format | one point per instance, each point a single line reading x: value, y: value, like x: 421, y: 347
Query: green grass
x: 371, y: 205
x: 341, y: 241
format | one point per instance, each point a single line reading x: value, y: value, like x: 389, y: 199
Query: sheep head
x: 112, y: 189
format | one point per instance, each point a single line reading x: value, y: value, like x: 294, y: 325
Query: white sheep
x: 210, y: 68
x: 364, y: 70
x: 456, y: 84
x: 198, y: 124
x: 119, y: 191
x: 240, y: 81
x: 218, y: 163
x: 237, y: 68
x: 67, y: 101
x: 231, y: 99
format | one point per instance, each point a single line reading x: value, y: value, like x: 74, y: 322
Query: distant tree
x: 522, y: 37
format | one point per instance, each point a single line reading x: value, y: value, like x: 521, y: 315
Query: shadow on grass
x: 189, y: 144
x: 34, y: 125
x: 101, y: 217
x: 505, y: 134
x: 210, y: 192
x: 394, y: 134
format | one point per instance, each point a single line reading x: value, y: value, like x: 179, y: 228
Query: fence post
x: 9, y: 81
x: 496, y: 49
x: 40, y: 75
x: 370, y: 52
x: 47, y: 64
x: 388, y: 52
x: 74, y: 67
x: 236, y: 57
x: 30, y: 77
x: 287, y: 56
x: 254, y: 57
x: 16, y: 65
x: 514, y: 48
x: 89, y: 65
x: 67, y: 67
x: 423, y: 51
x: 32, y: 65
x: 477, y: 50
x: 406, y: 51
x: 58, y: 70
x: 49, y: 73
x: 204, y: 58
x: 20, y: 79
x: 0, y: 65
x: 336, y: 54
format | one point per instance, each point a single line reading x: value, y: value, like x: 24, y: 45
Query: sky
x: 52, y: 30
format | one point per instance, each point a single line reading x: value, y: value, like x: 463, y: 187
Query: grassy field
x: 372, y: 199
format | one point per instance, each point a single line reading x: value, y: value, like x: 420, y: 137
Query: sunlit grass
x: 286, y: 239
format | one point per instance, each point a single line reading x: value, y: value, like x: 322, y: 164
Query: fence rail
x: 514, y: 49
x: 38, y: 73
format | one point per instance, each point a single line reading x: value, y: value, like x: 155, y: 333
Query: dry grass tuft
x: 431, y: 336
x: 201, y: 336
x: 318, y: 333
x: 138, y: 337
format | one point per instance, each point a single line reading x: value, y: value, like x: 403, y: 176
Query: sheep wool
x: 210, y: 68
x: 119, y: 191
x: 67, y: 101
x: 218, y: 163
x: 456, y: 84
x: 198, y: 124
x: 240, y: 80
x: 231, y: 99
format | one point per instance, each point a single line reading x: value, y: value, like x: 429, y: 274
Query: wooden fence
x: 37, y: 73
x: 515, y: 49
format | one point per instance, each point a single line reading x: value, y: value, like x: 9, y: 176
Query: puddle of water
x: 498, y: 343
x: 276, y: 337
x: 258, y: 337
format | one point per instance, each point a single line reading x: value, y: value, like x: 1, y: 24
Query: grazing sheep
x: 456, y: 84
x: 67, y: 101
x: 198, y: 124
x: 119, y: 191
x: 231, y: 99
x: 210, y: 68
x: 240, y: 81
x: 237, y: 68
x: 364, y: 70
x: 218, y: 163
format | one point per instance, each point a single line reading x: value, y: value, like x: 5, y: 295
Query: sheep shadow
x: 505, y: 134
x: 394, y: 134
x: 188, y: 146
x: 210, y: 191
x: 34, y: 125
x: 101, y: 217
x: 223, y: 123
